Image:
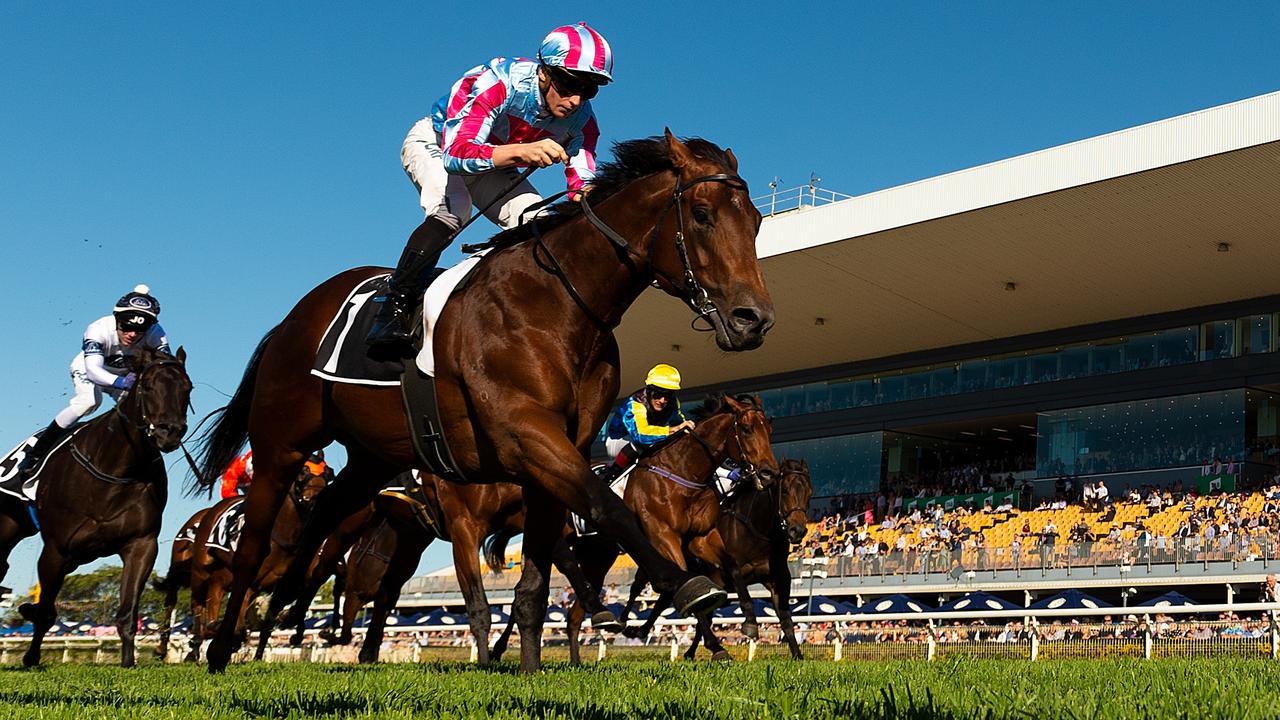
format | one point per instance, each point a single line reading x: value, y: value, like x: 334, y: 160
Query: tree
x: 94, y: 597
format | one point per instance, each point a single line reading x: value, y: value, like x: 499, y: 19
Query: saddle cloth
x: 226, y: 528
x: 619, y: 488
x: 9, y: 483
x: 343, y: 355
x: 186, y: 534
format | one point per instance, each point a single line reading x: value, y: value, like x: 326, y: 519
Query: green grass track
x: 949, y: 688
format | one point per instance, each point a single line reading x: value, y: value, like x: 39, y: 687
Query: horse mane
x: 633, y: 160
x: 718, y: 403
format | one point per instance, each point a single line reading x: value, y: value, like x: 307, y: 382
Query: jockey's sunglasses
x: 656, y: 393
x: 567, y: 85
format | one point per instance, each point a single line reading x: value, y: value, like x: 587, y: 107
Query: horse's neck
x: 102, y: 442
x: 609, y: 278
x: 698, y: 462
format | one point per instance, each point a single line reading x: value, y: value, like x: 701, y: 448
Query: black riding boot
x: 44, y: 443
x: 391, y: 334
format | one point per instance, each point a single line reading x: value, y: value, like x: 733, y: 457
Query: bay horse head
x: 795, y: 489
x: 748, y: 440
x: 710, y: 244
x: 157, y: 405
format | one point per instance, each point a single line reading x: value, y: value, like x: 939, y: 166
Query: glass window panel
x: 892, y: 389
x: 1181, y: 431
x: 842, y: 394
x: 1105, y: 359
x: 1042, y: 368
x: 917, y: 385
x: 864, y: 392
x: 1176, y: 346
x: 1255, y: 331
x: 1140, y: 352
x: 1219, y: 340
x: 945, y: 380
x: 772, y: 401
x: 842, y: 465
x: 792, y: 401
x: 973, y: 375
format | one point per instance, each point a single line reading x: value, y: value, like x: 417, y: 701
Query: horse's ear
x: 733, y: 159
x: 679, y: 153
x: 182, y: 355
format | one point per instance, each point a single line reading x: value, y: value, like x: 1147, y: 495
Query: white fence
x: 1023, y: 634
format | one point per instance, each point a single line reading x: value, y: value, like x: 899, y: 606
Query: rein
x: 144, y: 427
x: 689, y: 289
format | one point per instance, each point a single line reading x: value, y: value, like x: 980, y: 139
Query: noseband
x: 145, y: 426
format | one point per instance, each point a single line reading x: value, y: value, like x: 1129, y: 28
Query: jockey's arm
x: 95, y: 367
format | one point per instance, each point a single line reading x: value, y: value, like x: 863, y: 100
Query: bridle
x: 143, y: 426
x: 687, y: 288
x: 774, y: 493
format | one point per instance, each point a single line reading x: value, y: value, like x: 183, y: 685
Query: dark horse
x: 749, y: 544
x: 526, y: 367
x: 103, y: 492
x: 463, y: 515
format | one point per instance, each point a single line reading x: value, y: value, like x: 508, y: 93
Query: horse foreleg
x: 543, y: 527
x: 52, y: 569
x: 587, y: 588
x: 573, y: 627
x: 504, y: 639
x: 637, y: 586
x: 710, y: 639
x: 326, y: 564
x: 780, y: 589
x: 466, y: 562
x: 404, y: 560
x: 750, y: 623
x: 138, y: 557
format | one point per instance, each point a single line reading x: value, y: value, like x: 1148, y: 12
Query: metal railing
x: 1040, y: 559
x: 780, y: 201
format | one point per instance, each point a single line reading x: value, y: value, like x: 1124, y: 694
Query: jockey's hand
x: 125, y: 382
x: 543, y: 153
x: 686, y: 425
x: 580, y: 193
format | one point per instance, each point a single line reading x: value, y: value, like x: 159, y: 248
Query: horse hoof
x: 699, y: 595
x: 751, y: 630
x: 368, y: 659
x: 606, y: 621
x: 217, y: 658
x: 29, y: 661
x: 721, y: 656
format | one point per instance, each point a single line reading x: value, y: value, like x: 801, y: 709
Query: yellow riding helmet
x: 663, y: 376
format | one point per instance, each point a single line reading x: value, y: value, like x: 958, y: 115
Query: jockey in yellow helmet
x: 651, y: 414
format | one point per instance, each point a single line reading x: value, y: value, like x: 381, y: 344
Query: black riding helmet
x: 137, y: 310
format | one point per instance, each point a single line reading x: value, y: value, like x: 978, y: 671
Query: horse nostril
x: 745, y: 318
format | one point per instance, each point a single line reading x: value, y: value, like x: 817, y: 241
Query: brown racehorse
x: 104, y: 491
x: 211, y: 571
x: 462, y: 515
x: 179, y: 575
x: 526, y: 366
x: 749, y: 544
x: 670, y: 490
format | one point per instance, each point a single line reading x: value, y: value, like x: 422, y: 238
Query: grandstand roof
x: 1117, y: 226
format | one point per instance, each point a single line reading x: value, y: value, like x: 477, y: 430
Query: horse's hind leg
x: 710, y: 639
x: 52, y: 570
x: 138, y: 557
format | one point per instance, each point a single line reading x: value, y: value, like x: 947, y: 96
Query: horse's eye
x: 747, y: 429
x: 702, y: 214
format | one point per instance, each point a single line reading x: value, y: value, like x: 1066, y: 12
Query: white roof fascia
x: 1242, y: 124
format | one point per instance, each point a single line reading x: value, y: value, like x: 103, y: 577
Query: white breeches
x: 87, y: 396
x: 450, y: 197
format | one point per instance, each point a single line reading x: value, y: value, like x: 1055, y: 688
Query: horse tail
x: 221, y: 444
x: 495, y: 549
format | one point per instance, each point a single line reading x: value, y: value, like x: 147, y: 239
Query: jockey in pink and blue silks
x: 500, y: 116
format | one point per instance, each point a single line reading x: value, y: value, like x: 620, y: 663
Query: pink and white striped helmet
x: 580, y: 49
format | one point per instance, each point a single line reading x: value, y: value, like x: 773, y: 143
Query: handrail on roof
x: 808, y: 195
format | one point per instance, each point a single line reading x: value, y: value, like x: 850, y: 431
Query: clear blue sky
x: 232, y: 155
